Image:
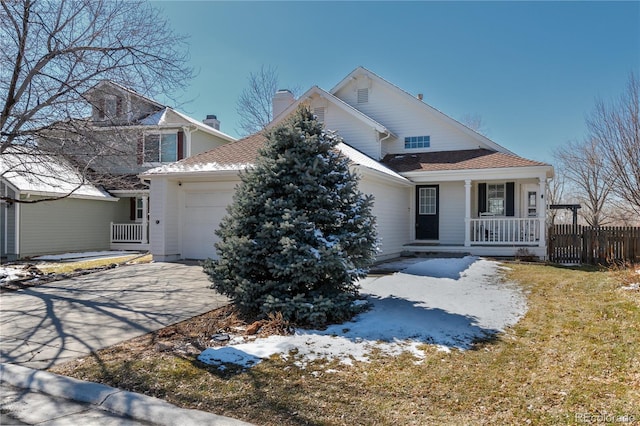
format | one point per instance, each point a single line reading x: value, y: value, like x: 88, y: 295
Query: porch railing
x: 503, y: 230
x: 128, y: 233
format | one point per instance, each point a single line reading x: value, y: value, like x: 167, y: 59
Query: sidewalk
x: 37, y: 397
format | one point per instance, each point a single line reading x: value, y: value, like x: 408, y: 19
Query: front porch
x: 492, y: 237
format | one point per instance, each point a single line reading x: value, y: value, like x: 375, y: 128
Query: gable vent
x: 363, y: 96
x: 319, y: 113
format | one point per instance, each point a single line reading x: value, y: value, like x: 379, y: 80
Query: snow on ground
x: 446, y: 302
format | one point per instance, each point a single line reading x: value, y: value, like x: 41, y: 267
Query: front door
x: 427, y: 212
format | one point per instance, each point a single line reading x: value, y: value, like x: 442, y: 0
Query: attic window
x: 363, y: 96
x: 319, y: 113
x: 412, y: 142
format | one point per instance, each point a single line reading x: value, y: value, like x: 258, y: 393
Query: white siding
x: 452, y: 213
x: 405, y: 117
x: 164, y: 224
x: 354, y: 132
x: 391, y: 208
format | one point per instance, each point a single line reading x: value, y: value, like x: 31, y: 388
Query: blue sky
x: 530, y: 70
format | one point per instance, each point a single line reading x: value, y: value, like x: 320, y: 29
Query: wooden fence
x: 593, y: 245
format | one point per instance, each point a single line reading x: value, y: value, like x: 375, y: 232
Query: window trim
x: 160, y: 134
x: 503, y: 198
x: 420, y: 142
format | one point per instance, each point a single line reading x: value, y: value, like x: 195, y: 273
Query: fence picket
x: 594, y: 245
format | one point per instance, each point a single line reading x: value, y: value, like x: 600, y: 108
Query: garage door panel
x: 202, y: 213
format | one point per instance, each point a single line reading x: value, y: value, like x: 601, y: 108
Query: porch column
x: 467, y: 212
x: 145, y: 219
x: 542, y: 211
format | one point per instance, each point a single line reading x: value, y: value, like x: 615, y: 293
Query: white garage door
x: 201, y: 216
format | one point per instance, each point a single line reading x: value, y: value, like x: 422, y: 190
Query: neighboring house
x: 126, y: 134
x: 438, y: 185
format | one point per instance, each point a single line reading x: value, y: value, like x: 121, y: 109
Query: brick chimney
x: 212, y: 121
x: 281, y: 101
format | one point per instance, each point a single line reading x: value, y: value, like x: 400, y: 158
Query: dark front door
x: 427, y: 212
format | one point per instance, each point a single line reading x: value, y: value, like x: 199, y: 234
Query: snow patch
x: 461, y: 301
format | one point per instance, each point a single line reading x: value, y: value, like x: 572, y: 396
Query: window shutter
x: 510, y: 199
x: 132, y: 208
x: 140, y: 149
x: 482, y: 198
x: 180, y: 145
x: 102, y: 107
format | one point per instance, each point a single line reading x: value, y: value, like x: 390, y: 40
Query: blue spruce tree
x: 299, y: 233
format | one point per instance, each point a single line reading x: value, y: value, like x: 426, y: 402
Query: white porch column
x: 467, y: 212
x: 542, y: 211
x: 145, y: 219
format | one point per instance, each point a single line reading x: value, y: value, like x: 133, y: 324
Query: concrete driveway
x: 53, y: 323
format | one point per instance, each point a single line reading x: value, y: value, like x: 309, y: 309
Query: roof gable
x: 334, y: 100
x: 418, y: 105
x: 108, y: 84
x: 169, y: 117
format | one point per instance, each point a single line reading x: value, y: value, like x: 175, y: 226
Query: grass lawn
x: 575, y: 353
x: 67, y: 267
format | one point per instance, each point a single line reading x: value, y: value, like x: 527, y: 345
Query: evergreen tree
x: 299, y: 233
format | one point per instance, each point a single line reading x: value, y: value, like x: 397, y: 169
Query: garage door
x: 201, y: 216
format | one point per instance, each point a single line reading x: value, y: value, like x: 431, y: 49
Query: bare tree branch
x: 584, y: 168
x: 254, y: 106
x: 53, y: 51
x: 616, y: 128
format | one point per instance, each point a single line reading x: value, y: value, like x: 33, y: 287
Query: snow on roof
x: 161, y: 118
x: 364, y: 160
x: 35, y: 173
x: 243, y: 153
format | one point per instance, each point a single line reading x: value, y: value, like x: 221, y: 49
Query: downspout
x: 380, y: 143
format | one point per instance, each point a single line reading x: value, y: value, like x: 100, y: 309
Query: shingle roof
x: 231, y: 156
x: 455, y: 160
x: 243, y: 153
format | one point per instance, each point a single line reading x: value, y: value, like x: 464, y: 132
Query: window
x: 496, y: 198
x: 427, y: 201
x: 160, y: 148
x: 363, y: 96
x: 413, y: 142
x: 139, y: 209
x: 111, y: 107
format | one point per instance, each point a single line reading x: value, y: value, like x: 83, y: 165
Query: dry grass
x: 68, y: 267
x: 576, y: 351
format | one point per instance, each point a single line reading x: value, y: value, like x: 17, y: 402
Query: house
x: 126, y: 134
x: 438, y: 185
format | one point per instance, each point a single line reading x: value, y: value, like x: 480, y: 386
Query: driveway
x: 50, y: 324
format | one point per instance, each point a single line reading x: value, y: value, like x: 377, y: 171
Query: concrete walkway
x: 53, y: 323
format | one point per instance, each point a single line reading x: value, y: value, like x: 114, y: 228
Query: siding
x: 404, y: 117
x: 202, y: 142
x: 354, y: 132
x: 452, y: 213
x: 391, y: 208
x: 65, y: 226
x: 164, y: 219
